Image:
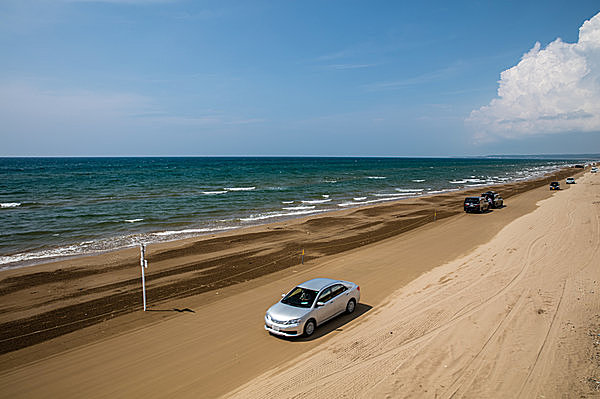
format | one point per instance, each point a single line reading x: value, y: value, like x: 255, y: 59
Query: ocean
x: 57, y: 207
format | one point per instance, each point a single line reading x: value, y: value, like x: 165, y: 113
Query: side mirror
x: 320, y: 304
x: 283, y: 295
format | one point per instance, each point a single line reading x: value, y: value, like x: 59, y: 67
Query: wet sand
x: 73, y: 321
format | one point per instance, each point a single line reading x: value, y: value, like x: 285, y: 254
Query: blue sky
x: 373, y: 78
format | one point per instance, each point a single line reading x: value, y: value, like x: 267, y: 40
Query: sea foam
x: 298, y: 208
x: 191, y: 231
x: 408, y: 190
x: 316, y: 201
x: 240, y: 188
x: 214, y: 192
x: 271, y: 215
x: 10, y: 204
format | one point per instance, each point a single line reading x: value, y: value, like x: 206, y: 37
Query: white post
x: 143, y: 264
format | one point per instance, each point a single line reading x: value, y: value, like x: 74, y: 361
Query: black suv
x: 494, y: 199
x: 476, y: 204
x: 555, y: 185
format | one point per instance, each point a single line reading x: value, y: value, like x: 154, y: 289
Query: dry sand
x: 518, y: 317
x: 503, y: 315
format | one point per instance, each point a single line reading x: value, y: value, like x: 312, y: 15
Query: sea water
x: 55, y: 207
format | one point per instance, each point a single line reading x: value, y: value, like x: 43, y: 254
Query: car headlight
x: 293, y: 321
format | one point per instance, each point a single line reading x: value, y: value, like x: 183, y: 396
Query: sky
x: 328, y: 77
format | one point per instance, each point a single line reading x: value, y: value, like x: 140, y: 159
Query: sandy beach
x: 503, y: 304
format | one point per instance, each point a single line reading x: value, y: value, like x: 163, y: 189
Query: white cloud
x: 551, y: 90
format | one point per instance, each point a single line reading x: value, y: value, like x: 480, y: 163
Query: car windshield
x: 300, y: 297
x: 472, y: 201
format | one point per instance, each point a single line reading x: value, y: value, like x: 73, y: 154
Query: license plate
x: 274, y: 328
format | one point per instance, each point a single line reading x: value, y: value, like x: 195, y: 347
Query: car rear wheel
x: 309, y: 328
x: 350, y: 306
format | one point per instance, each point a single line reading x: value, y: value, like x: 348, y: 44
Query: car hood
x: 283, y: 312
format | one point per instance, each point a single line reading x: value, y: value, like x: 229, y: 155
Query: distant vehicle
x: 570, y: 180
x: 311, y: 304
x: 594, y: 170
x: 494, y: 199
x: 579, y: 166
x: 476, y: 204
x: 555, y: 185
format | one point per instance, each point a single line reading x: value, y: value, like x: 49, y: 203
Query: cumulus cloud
x: 551, y: 90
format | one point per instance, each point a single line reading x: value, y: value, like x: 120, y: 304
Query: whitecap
x: 418, y: 180
x: 457, y: 181
x: 359, y: 198
x: 240, y: 188
x: 315, y: 201
x: 408, y: 190
x: 394, y: 194
x: 287, y: 202
x: 298, y: 208
x: 214, y: 192
x: 263, y: 216
x: 10, y: 204
x: 132, y: 220
x: 191, y: 231
x: 325, y: 195
x: 376, y: 177
x: 345, y: 204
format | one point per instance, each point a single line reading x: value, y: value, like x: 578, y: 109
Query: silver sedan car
x: 310, y: 304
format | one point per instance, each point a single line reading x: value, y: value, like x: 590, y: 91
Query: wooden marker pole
x: 143, y: 264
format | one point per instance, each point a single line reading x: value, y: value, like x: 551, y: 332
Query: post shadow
x: 184, y: 310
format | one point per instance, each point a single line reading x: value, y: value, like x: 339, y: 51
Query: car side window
x: 338, y: 289
x: 325, y: 296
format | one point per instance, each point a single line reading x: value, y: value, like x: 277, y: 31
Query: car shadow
x: 335, y: 324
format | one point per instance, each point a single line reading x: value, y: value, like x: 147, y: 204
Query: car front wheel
x: 309, y: 328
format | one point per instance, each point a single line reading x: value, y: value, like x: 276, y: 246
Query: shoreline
x: 46, y: 259
x: 84, y: 291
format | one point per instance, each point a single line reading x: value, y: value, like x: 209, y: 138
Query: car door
x: 327, y: 310
x: 339, y: 292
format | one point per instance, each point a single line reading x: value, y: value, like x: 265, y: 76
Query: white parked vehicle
x: 310, y: 304
x: 570, y: 180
